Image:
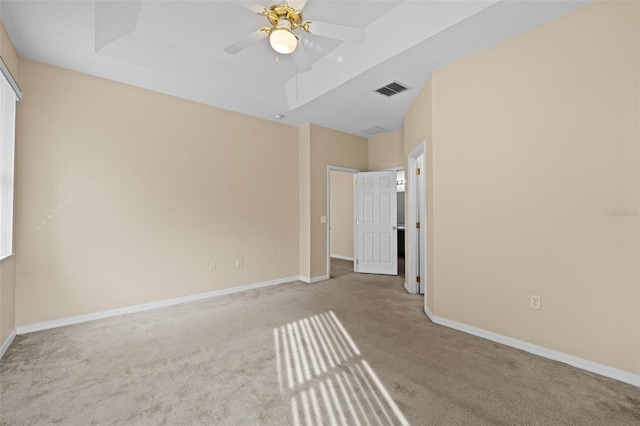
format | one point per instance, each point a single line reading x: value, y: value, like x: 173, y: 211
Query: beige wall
x: 341, y: 214
x: 387, y: 151
x: 8, y: 266
x: 418, y: 126
x: 534, y: 140
x: 7, y: 297
x: 328, y: 147
x: 125, y: 196
x: 304, y: 186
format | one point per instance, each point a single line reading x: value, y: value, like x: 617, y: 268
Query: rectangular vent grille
x: 374, y: 130
x: 392, y: 89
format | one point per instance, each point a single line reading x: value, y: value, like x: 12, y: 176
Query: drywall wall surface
x: 341, y: 218
x: 386, y: 151
x: 536, y: 147
x: 127, y: 196
x: 418, y: 129
x: 329, y: 147
x: 304, y: 178
x: 638, y: 317
x: 7, y: 297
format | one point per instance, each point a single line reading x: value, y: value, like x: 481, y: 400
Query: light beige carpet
x: 353, y: 350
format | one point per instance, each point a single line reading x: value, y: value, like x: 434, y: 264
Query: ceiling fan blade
x: 302, y: 59
x: 297, y: 4
x: 245, y: 42
x: 337, y: 31
x: 252, y: 6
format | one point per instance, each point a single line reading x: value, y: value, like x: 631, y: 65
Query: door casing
x: 416, y: 238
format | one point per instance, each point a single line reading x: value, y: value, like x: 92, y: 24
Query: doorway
x: 416, y: 222
x: 401, y: 185
x: 340, y: 214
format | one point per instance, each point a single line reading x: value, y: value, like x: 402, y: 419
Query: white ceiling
x: 176, y: 47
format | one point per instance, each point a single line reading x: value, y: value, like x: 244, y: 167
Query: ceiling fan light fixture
x: 283, y: 41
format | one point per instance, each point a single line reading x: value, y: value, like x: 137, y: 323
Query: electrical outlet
x: 238, y: 263
x: 535, y: 302
x: 212, y: 266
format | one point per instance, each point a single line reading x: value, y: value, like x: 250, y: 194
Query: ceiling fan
x: 284, y: 19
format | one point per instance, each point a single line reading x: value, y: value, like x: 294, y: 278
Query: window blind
x: 7, y: 155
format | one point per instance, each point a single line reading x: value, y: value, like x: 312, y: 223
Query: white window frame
x: 9, y: 94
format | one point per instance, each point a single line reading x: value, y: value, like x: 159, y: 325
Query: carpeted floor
x: 353, y: 350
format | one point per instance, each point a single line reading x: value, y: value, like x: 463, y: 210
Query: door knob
x: 394, y: 228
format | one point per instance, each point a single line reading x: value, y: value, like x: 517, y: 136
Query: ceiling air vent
x: 392, y: 89
x: 374, y: 130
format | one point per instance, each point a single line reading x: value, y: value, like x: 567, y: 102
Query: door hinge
x: 357, y: 183
x: 417, y: 225
x: 357, y: 262
x: 417, y: 279
x: 418, y: 171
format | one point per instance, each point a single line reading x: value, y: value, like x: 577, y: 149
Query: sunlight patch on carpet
x: 321, y: 370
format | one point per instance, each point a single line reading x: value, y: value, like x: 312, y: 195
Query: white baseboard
x: 429, y: 313
x: 7, y: 343
x: 584, y: 364
x: 337, y: 256
x: 313, y: 279
x: 30, y: 328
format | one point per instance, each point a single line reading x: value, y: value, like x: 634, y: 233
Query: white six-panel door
x: 376, y: 223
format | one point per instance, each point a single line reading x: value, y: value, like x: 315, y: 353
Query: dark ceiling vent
x: 374, y: 130
x: 392, y: 89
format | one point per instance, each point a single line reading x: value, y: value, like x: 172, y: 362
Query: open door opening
x: 401, y: 220
x: 340, y: 209
x: 416, y: 222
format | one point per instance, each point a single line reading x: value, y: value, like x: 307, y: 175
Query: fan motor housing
x: 279, y: 11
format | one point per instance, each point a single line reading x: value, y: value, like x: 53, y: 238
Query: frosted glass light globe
x: 283, y: 41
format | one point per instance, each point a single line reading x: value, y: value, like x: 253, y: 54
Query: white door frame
x: 331, y: 168
x: 411, y: 179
